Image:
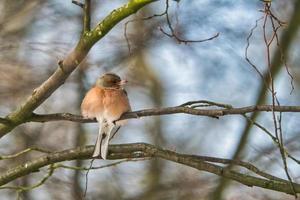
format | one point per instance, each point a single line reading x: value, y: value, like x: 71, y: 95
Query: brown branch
x: 167, y: 111
x: 142, y: 150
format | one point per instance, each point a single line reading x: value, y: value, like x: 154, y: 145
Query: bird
x: 106, y: 101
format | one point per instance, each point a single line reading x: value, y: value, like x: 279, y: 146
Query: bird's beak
x: 123, y: 82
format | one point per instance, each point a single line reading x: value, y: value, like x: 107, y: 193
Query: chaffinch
x: 106, y: 102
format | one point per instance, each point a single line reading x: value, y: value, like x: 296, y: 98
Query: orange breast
x: 115, y: 104
x: 107, y: 103
x: 92, y: 104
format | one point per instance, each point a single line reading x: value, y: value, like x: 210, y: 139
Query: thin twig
x: 3, y: 157
x: 282, y: 57
x: 21, y: 189
x: 274, y: 139
x: 87, y: 16
x: 87, y: 177
x: 77, y: 3
x: 138, y: 19
x: 276, y: 121
x: 173, y: 33
x: 247, y: 56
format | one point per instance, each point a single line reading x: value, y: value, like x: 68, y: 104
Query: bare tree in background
x: 44, y: 151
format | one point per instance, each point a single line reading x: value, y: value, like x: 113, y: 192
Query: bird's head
x: 110, y: 80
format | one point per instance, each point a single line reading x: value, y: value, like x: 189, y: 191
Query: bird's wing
x: 92, y: 104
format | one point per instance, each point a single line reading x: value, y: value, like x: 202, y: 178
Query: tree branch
x: 69, y: 64
x: 142, y: 150
x: 23, y: 152
x: 87, y: 16
x: 166, y: 111
x: 4, y: 120
x: 77, y: 3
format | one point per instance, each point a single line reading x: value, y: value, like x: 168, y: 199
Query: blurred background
x: 35, y: 34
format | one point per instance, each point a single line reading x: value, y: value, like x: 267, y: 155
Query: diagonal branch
x: 69, y: 64
x: 143, y: 150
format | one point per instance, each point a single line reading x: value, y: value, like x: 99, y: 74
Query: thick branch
x: 166, y: 111
x: 68, y: 65
x: 141, y: 150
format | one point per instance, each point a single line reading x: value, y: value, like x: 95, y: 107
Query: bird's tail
x: 101, y: 147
